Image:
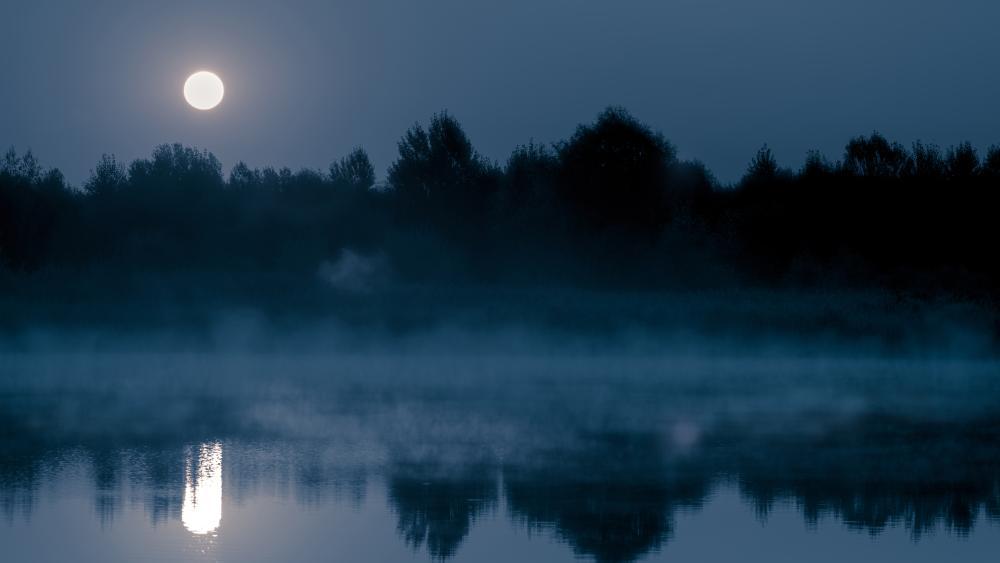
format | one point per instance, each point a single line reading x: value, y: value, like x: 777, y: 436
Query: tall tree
x: 440, y: 165
x: 613, y: 174
x: 354, y: 172
x: 876, y: 157
x: 107, y: 178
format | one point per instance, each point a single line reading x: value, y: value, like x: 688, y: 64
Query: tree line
x: 611, y: 205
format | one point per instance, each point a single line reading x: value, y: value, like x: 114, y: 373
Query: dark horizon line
x: 991, y: 154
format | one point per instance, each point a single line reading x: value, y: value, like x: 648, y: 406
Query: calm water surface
x: 241, y: 457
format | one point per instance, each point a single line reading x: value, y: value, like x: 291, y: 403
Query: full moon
x: 203, y: 90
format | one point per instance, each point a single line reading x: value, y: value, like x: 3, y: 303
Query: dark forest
x: 610, y: 210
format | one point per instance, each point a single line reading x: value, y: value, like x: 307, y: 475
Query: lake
x: 294, y: 457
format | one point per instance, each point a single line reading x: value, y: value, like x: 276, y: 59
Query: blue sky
x: 308, y: 81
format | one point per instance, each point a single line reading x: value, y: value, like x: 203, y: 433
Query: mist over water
x: 540, y: 454
x: 576, y: 342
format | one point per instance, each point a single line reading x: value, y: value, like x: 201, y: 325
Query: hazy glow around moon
x: 203, y: 90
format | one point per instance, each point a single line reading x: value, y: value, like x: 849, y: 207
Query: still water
x: 244, y: 457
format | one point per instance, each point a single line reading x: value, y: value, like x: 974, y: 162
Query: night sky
x: 308, y: 81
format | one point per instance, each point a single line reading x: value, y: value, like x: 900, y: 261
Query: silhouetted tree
x: 171, y: 211
x: 991, y: 165
x: 107, y: 178
x: 353, y: 172
x: 177, y: 168
x: 928, y: 164
x: 763, y: 166
x: 613, y: 175
x: 243, y: 178
x: 529, y: 178
x: 24, y: 167
x: 439, y: 166
x: 32, y: 203
x: 612, y: 205
x: 764, y: 169
x: 962, y: 162
x: 690, y: 199
x: 816, y: 167
x: 443, y: 191
x: 876, y: 157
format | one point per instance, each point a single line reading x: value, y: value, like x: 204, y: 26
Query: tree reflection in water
x: 609, y: 487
